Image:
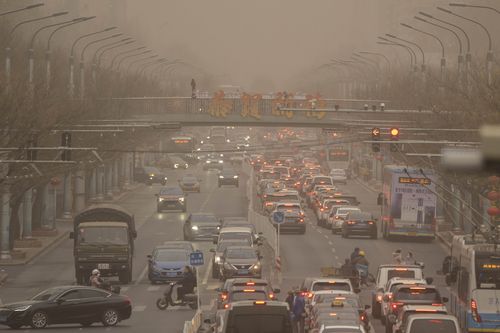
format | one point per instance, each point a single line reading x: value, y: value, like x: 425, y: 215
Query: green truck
x: 104, y: 239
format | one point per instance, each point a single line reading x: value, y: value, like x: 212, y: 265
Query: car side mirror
x: 367, y: 307
x: 218, y: 290
x: 260, y: 257
x: 71, y: 235
x: 149, y: 256
x: 60, y: 301
x: 429, y: 280
x: 357, y: 290
x: 212, y: 250
x: 276, y: 290
x: 156, y: 195
x: 445, y: 299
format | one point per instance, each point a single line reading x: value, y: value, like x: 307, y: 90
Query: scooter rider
x: 95, y: 279
x: 188, y: 283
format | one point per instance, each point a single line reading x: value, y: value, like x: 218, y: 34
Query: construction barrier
x: 194, y: 324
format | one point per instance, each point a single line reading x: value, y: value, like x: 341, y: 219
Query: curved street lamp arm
x: 82, y: 19
x: 412, y: 43
x: 428, y: 34
x: 95, y: 42
x: 409, y: 49
x: 445, y: 28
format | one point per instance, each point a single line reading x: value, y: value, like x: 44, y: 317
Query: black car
x: 201, y: 226
x: 150, y: 175
x: 359, y: 223
x: 171, y: 198
x: 67, y: 305
x: 228, y: 177
x: 213, y: 162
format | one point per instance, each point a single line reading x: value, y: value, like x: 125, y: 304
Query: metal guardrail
x: 193, y: 325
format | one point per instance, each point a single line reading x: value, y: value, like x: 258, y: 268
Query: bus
x: 473, y: 274
x: 408, y: 202
x: 339, y: 156
x: 218, y: 135
x: 182, y: 144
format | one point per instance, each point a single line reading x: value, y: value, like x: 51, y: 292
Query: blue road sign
x: 278, y: 217
x: 196, y: 258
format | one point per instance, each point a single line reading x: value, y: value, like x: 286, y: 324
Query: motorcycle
x: 190, y: 300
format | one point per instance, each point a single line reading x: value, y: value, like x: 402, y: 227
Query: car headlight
x: 221, y: 161
x: 255, y: 267
x: 208, y: 162
x: 194, y: 227
x: 176, y: 165
x: 221, y: 177
x: 186, y: 166
x: 161, y: 199
x: 151, y: 175
x: 165, y: 177
x: 217, y: 259
x: 181, y: 199
x: 235, y: 177
x: 22, y: 308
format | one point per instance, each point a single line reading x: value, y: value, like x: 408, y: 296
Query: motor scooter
x: 190, y: 300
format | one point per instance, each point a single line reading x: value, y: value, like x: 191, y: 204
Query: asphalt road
x: 302, y: 255
x: 56, y: 267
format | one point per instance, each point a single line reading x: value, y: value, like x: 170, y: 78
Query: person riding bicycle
x: 95, y: 279
x: 187, y: 283
x: 360, y: 264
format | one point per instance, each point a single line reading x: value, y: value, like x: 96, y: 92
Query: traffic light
x: 394, y: 133
x: 66, y: 142
x: 375, y: 137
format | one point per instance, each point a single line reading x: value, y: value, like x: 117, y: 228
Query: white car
x: 389, y: 287
x: 432, y: 322
x: 337, y: 216
x: 339, y: 176
x: 408, y: 310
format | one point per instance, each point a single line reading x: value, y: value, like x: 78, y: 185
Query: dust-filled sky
x: 261, y: 45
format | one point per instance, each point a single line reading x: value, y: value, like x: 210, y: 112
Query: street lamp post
x: 48, y: 51
x: 31, y: 65
x: 82, y: 64
x: 380, y: 55
x: 418, y: 47
x: 443, y: 59
x: 489, y: 55
x: 104, y: 48
x: 468, y: 56
x: 21, y: 9
x: 71, y: 85
x: 413, y: 55
x: 131, y: 56
x: 460, y: 48
x: 9, y: 41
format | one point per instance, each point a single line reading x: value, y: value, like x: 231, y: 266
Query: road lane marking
x: 320, y: 231
x: 333, y: 250
x: 153, y: 288
x: 207, y: 272
x: 337, y: 257
x: 326, y: 236
x: 330, y: 243
x: 139, y: 308
x: 141, y: 276
x: 209, y: 196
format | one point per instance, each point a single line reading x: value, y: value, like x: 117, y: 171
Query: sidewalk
x: 444, y: 232
x: 43, y: 241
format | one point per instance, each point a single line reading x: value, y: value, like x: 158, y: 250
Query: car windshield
x: 189, y: 180
x: 488, y: 271
x: 347, y: 302
x: 288, y: 209
x: 222, y: 246
x: 258, y: 323
x: 203, y: 218
x: 235, y: 235
x: 171, y: 191
x: 338, y: 172
x: 342, y: 330
x: 403, y: 273
x: 287, y: 197
x: 322, y: 180
x: 241, y: 253
x: 103, y: 235
x: 417, y: 294
x: 258, y: 295
x: 331, y: 285
x: 345, y: 211
x: 171, y: 255
x: 48, y: 294
x: 151, y: 170
x: 433, y: 325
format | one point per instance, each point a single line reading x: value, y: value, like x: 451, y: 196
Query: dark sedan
x: 201, y: 226
x: 154, y: 176
x: 189, y: 183
x: 360, y: 224
x: 228, y: 177
x: 171, y: 198
x: 67, y: 305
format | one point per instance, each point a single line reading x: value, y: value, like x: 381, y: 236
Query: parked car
x: 67, y: 305
x: 167, y: 264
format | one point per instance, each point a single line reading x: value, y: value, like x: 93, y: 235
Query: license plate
x: 243, y: 271
x: 412, y: 234
x: 102, y: 266
x: 171, y: 274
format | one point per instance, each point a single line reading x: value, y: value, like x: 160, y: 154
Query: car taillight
x: 351, y: 222
x: 395, y: 305
x: 271, y: 296
x: 475, y: 314
x: 223, y: 296
x: 370, y: 222
x: 301, y: 220
x: 269, y: 204
x: 226, y: 306
x: 322, y: 209
x: 128, y: 301
x: 379, y: 298
x: 309, y: 295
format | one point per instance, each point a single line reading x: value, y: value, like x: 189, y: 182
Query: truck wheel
x: 124, y: 277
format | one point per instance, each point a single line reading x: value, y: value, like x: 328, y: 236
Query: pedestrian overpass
x: 254, y: 111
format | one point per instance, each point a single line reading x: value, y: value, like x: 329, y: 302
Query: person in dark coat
x: 187, y: 283
x: 299, y: 312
